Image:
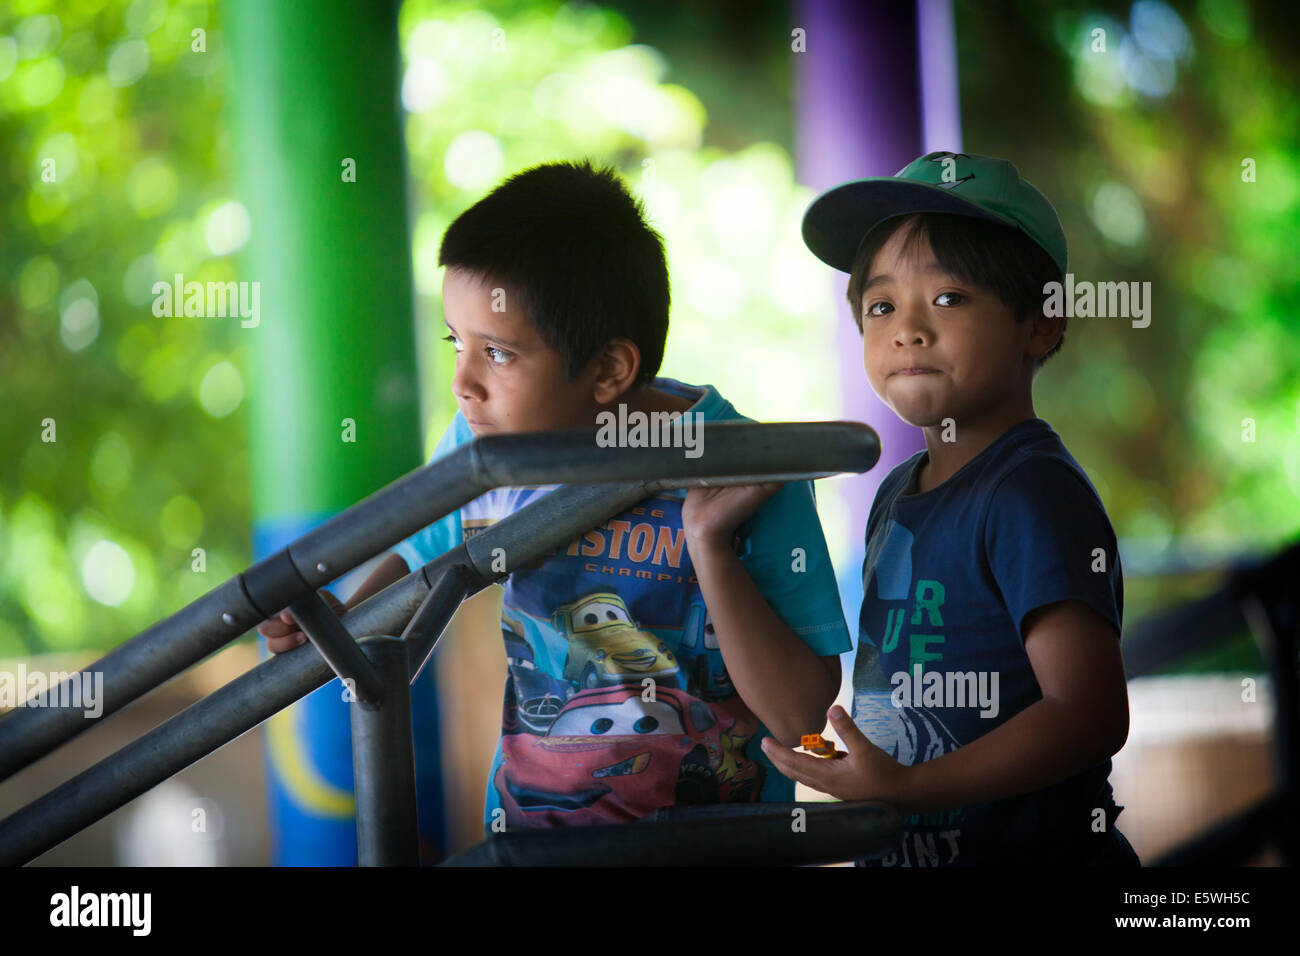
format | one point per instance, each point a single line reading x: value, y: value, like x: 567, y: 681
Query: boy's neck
x: 945, y: 458
x: 645, y: 398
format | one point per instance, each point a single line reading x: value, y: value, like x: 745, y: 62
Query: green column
x: 333, y: 410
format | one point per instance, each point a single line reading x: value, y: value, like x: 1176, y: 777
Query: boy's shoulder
x: 1026, y: 467
x: 1036, y: 467
x: 706, y: 401
x: 1029, y: 454
x: 1031, y: 446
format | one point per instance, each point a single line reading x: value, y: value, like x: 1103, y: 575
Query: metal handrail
x: 738, y: 452
x: 779, y: 451
x: 770, y: 834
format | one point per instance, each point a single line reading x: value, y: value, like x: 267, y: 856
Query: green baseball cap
x: 958, y: 183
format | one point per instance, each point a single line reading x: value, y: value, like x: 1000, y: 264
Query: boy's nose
x: 911, y: 328
x: 464, y: 383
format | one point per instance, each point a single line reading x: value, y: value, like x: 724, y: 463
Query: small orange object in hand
x: 820, y: 746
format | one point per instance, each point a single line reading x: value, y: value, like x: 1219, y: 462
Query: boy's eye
x: 952, y: 295
x: 498, y: 356
x: 871, y: 309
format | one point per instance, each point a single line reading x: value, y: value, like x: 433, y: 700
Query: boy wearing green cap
x: 988, y: 665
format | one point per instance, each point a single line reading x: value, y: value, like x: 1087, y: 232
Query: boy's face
x: 507, y: 378
x: 935, y: 347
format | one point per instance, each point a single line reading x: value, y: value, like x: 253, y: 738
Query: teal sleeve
x: 784, y: 550
x: 445, y: 533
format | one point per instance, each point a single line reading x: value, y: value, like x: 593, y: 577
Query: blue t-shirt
x: 617, y: 701
x: 948, y: 578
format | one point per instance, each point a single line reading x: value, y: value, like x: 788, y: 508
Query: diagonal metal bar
x: 328, y: 635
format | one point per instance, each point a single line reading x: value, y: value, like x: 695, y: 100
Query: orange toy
x: 820, y: 746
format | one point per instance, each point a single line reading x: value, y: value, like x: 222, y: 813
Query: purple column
x: 875, y: 87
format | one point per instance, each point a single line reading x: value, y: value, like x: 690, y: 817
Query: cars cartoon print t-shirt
x: 618, y: 702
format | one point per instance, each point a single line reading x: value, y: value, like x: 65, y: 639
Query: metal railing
x: 363, y: 649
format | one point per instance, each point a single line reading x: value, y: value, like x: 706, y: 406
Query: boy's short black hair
x: 999, y: 258
x: 571, y: 244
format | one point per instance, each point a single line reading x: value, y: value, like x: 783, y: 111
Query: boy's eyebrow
x: 878, y: 278
x: 508, y: 343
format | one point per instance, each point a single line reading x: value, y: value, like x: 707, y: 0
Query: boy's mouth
x: 913, y: 371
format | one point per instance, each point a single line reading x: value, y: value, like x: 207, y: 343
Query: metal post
x: 383, y: 758
x: 319, y: 162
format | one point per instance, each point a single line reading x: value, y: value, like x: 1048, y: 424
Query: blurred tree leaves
x: 1155, y: 128
x: 114, y: 158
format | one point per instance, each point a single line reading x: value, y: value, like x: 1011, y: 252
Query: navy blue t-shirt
x: 948, y: 578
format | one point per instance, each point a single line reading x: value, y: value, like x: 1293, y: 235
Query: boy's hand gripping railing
x: 738, y: 453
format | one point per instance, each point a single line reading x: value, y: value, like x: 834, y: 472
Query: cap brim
x: 840, y: 218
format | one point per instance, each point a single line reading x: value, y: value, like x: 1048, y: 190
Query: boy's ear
x: 617, y: 367
x: 1047, y: 332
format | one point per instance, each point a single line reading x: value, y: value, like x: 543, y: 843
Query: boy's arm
x: 1081, y: 720
x: 786, y: 684
x: 392, y: 568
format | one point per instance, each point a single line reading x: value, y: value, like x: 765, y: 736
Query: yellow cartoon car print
x: 607, y: 647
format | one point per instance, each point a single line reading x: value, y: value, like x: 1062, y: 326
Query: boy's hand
x: 867, y: 773
x: 281, y: 632
x: 712, y: 515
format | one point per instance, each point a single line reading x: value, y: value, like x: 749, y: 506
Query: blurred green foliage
x: 97, y: 528
x: 114, y: 158
x: 1141, y: 149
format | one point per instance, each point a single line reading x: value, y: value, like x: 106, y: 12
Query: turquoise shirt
x: 618, y: 701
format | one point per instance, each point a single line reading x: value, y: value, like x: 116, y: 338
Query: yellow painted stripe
x: 303, y: 782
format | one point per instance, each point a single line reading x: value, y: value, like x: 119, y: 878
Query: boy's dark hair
x: 999, y: 258
x: 572, y: 245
